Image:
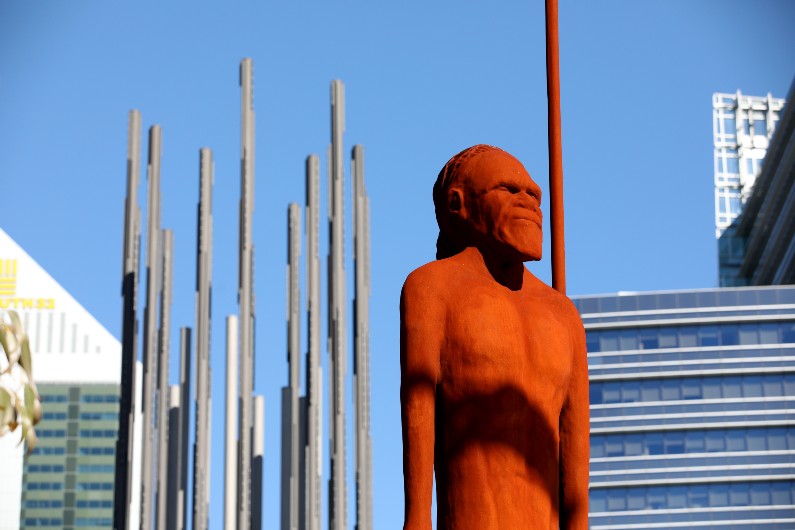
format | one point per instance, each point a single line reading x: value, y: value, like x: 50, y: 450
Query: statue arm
x: 574, y: 440
x: 419, y: 369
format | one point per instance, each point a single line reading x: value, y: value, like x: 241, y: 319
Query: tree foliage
x: 20, y: 404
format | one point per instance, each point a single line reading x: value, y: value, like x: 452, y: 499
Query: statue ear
x: 455, y: 201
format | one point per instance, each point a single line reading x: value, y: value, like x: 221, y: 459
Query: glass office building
x: 68, y: 478
x: 692, y: 414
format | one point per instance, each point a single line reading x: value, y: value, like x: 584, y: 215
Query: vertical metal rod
x: 129, y: 292
x: 555, y: 149
x: 245, y: 295
x: 184, y: 417
x: 314, y: 376
x: 290, y: 447
x: 148, y: 457
x: 230, y: 469
x: 163, y: 391
x: 201, y: 451
x: 336, y: 328
x: 361, y: 345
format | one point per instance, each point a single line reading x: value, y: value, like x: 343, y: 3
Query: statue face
x: 502, y: 205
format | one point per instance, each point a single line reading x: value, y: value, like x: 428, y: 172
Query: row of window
x: 46, y: 503
x: 45, y: 468
x: 50, y: 433
x: 39, y: 450
x: 95, y: 486
x: 98, y: 433
x: 712, y: 387
x: 711, y: 441
x: 692, y: 496
x: 43, y: 503
x: 95, y: 504
x: 54, y: 398
x: 44, y: 486
x: 97, y: 451
x: 95, y: 468
x: 691, y: 336
x: 98, y: 416
x: 54, y: 416
x: 43, y: 521
x: 99, y: 398
x: 94, y: 521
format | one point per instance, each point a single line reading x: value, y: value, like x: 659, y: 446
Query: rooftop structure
x: 759, y: 247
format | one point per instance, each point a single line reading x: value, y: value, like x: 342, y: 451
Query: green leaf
x: 25, y: 359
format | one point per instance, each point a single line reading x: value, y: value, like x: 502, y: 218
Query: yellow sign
x: 8, y: 290
x: 8, y: 277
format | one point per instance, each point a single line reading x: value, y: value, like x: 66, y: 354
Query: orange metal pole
x: 555, y: 150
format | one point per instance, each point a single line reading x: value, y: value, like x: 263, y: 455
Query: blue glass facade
x: 692, y: 408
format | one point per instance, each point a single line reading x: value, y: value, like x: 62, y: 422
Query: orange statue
x: 494, y: 380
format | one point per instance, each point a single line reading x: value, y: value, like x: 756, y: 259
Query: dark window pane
x: 650, y: 390
x: 768, y: 334
x: 654, y: 443
x: 688, y: 337
x: 735, y: 441
x: 729, y: 336
x: 608, y: 341
x: 708, y: 336
x: 628, y: 340
x: 711, y: 388
x: 671, y: 390
x: 668, y: 338
x: 694, y: 442
x: 749, y: 334
x: 752, y: 386
x: 630, y: 392
x: 648, y: 340
x: 788, y: 333
x: 691, y: 389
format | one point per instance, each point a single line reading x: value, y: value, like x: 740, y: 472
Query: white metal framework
x: 741, y: 127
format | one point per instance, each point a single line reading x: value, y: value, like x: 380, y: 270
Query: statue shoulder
x: 562, y: 303
x: 431, y: 282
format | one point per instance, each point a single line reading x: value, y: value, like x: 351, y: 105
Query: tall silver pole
x: 164, y: 392
x: 361, y: 346
x: 336, y: 326
x: 150, y: 326
x: 129, y: 292
x: 184, y: 418
x: 201, y: 452
x: 230, y: 468
x: 245, y: 298
x: 314, y: 377
x: 291, y: 451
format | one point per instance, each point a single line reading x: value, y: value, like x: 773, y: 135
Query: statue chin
x: 524, y: 246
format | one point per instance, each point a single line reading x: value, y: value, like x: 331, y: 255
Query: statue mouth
x: 535, y: 220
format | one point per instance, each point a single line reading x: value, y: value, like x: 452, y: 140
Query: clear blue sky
x: 424, y: 80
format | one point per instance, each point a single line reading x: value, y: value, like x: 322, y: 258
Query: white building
x: 70, y: 349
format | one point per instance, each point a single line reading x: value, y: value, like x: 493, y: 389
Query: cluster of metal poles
x: 152, y: 449
x: 302, y: 415
x: 151, y: 486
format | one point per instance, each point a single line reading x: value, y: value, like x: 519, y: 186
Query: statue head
x: 484, y: 197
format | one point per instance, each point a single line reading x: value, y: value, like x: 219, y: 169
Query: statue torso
x: 505, y: 363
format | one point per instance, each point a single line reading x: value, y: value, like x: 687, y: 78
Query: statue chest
x: 497, y: 340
